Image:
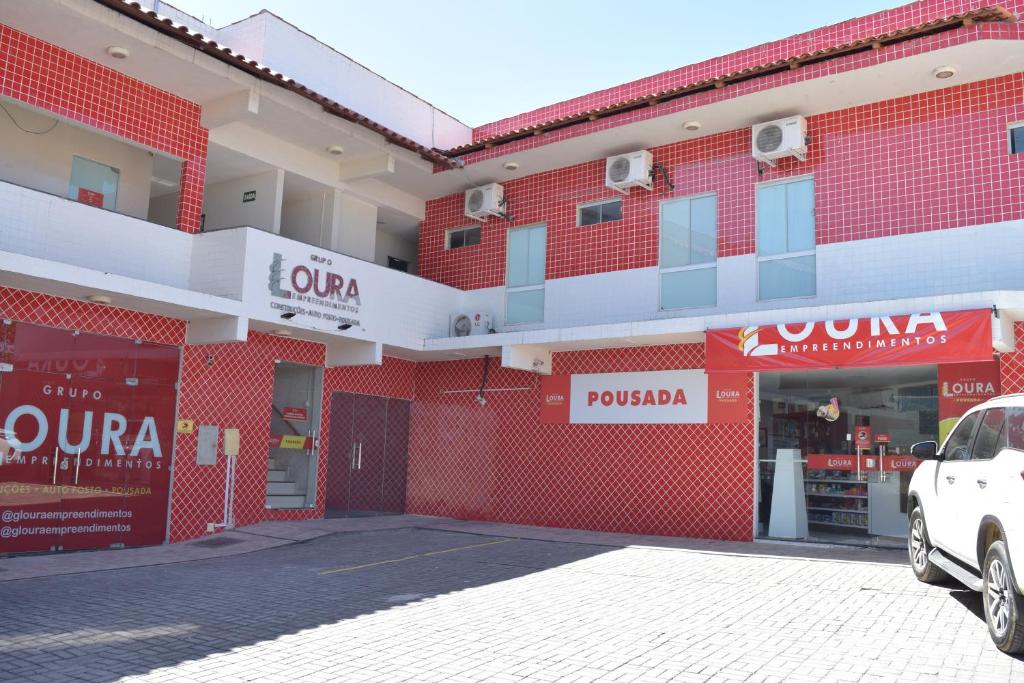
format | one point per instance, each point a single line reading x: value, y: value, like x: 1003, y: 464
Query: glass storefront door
x: 88, y: 424
x: 833, y: 450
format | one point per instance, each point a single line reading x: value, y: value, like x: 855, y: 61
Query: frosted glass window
x: 93, y: 183
x: 691, y: 288
x: 524, y: 274
x: 785, y: 278
x: 785, y: 239
x: 525, y: 306
x: 689, y: 252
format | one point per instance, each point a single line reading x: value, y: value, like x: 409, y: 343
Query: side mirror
x: 925, y: 450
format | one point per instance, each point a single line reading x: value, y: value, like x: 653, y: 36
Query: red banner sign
x: 963, y: 386
x: 90, y: 197
x: 862, y: 437
x: 869, y: 462
x: 921, y: 338
x: 882, y: 437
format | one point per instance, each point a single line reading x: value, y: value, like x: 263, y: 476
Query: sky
x: 483, y: 60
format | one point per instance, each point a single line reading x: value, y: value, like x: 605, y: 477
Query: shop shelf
x: 848, y: 526
x: 861, y: 511
x: 834, y: 495
x: 834, y: 481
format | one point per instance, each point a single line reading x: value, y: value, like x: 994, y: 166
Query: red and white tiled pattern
x: 500, y: 463
x: 924, y: 162
x: 859, y: 28
x: 43, y: 75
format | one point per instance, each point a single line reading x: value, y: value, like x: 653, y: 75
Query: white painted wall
x: 163, y: 210
x: 391, y: 245
x: 43, y: 162
x: 45, y: 226
x: 308, y: 219
x: 355, y: 227
x: 224, y: 208
x: 286, y: 49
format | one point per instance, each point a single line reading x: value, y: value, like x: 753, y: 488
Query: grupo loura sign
x: 915, y: 339
x: 86, y: 440
x: 655, y: 397
x: 314, y: 289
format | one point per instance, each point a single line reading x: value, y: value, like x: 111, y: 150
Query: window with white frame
x: 688, y: 252
x: 785, y: 239
x: 94, y: 183
x: 524, y: 275
x: 1017, y: 138
x: 603, y: 211
x: 456, y: 238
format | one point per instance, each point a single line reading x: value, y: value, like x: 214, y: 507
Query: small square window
x: 94, y: 183
x: 599, y: 212
x: 462, y: 237
x: 1017, y: 139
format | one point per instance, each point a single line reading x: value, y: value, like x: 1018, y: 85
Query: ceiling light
x: 944, y: 72
x: 283, y: 332
x: 510, y: 165
x: 336, y: 150
x: 98, y: 299
x: 691, y: 125
x: 118, y: 52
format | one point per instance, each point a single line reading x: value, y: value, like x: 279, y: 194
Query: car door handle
x: 982, y: 483
x: 950, y: 478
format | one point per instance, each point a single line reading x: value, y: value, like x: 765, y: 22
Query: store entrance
x: 368, y: 454
x: 833, y: 448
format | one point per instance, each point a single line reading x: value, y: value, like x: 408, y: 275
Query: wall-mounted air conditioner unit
x: 782, y: 138
x: 466, y: 324
x: 625, y: 171
x: 485, y: 201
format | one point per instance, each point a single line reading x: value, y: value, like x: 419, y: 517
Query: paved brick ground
x: 435, y: 605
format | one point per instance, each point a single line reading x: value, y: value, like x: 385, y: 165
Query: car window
x: 958, y: 444
x: 991, y: 435
x: 1015, y: 428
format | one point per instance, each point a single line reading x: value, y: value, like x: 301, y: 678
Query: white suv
x: 966, y: 504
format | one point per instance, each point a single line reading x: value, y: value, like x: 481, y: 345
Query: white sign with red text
x: 661, y: 397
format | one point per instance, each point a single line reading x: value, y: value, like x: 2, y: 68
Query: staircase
x: 281, y: 491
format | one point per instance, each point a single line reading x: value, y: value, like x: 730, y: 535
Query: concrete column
x: 353, y: 226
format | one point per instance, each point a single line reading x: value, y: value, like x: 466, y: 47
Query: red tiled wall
x: 233, y: 389
x: 859, y: 28
x: 43, y: 75
x: 499, y: 463
x: 925, y: 162
x: 1011, y: 365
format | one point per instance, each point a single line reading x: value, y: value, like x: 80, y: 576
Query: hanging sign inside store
x: 963, y: 386
x: 869, y: 462
x: 882, y: 437
x: 917, y: 339
x: 862, y: 437
x: 294, y: 414
x: 658, y: 397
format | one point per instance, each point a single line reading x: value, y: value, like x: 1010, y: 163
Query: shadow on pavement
x: 104, y: 625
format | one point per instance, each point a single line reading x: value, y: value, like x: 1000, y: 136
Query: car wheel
x: 1004, y: 606
x: 919, y: 547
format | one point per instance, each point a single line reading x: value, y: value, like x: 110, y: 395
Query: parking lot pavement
x: 426, y: 604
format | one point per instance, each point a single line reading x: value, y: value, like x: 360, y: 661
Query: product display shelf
x: 823, y: 492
